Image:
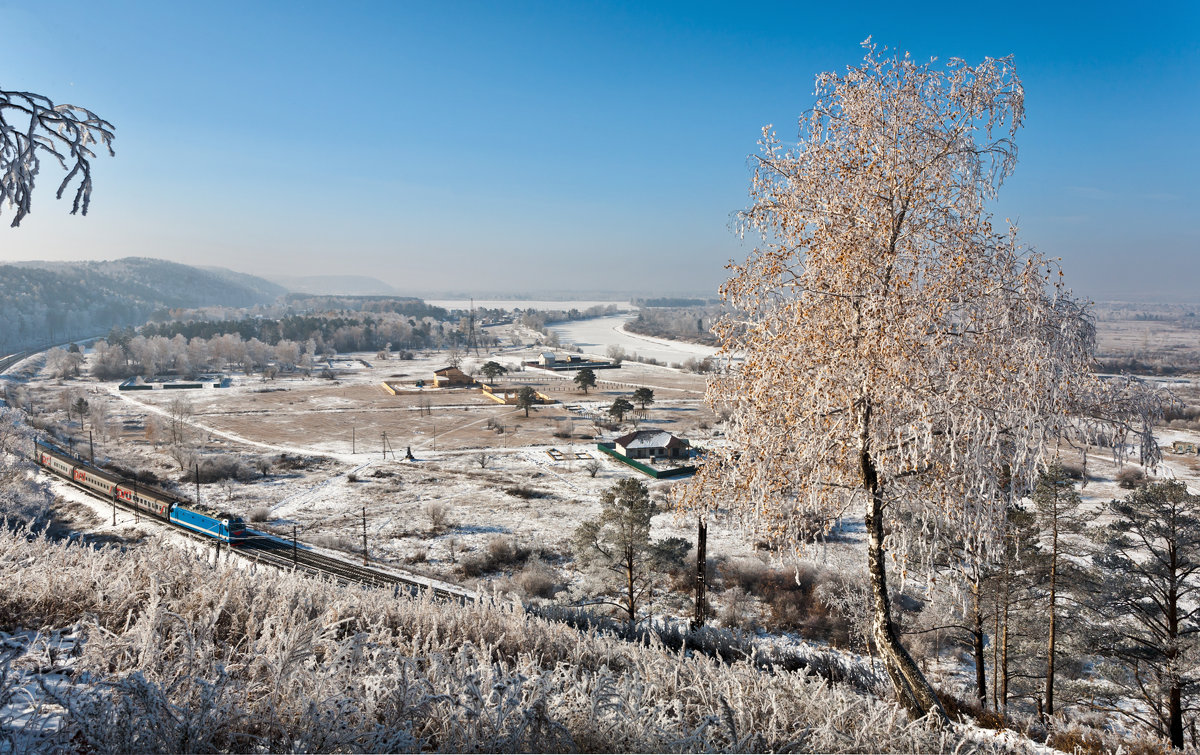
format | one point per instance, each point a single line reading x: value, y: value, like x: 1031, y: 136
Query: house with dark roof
x: 652, y: 444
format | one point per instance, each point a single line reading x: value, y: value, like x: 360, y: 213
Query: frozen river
x: 540, y: 304
x: 596, y: 335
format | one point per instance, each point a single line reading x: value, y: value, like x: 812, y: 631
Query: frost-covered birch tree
x: 33, y: 128
x: 903, y: 359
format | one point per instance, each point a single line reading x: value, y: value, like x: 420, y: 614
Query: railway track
x: 270, y: 550
x: 11, y: 359
x: 267, y: 548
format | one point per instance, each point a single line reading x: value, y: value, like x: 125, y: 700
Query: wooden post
x: 293, y: 546
x: 353, y: 440
x: 91, y: 446
x: 364, y: 535
x: 197, y: 483
x: 701, y: 571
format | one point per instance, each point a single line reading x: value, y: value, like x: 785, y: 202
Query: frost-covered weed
x: 184, y: 656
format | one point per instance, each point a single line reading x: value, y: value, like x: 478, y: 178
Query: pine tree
x: 1057, y: 504
x: 585, y: 378
x: 1150, y: 568
x: 618, y: 545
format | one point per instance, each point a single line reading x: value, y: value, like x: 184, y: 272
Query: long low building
x: 652, y: 444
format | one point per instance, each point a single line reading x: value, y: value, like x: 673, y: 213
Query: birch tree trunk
x: 912, y: 688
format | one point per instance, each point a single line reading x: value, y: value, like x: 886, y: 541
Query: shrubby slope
x: 181, y: 655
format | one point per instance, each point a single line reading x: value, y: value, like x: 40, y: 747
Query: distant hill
x: 42, y: 302
x: 264, y: 288
x: 335, y: 285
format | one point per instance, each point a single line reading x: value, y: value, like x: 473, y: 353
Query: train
x: 156, y: 503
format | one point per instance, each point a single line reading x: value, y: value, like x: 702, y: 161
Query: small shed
x: 449, y: 377
x: 652, y: 444
x: 546, y: 359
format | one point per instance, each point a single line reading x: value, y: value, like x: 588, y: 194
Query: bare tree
x: 899, y: 352
x: 184, y: 455
x: 181, y: 412
x: 32, y: 127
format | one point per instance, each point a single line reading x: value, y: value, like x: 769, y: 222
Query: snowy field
x: 481, y: 471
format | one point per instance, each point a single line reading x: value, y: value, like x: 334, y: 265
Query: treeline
x: 538, y: 319
x: 399, y: 305
x: 253, y: 345
x: 332, y: 333
x: 692, y: 324
x: 667, y: 301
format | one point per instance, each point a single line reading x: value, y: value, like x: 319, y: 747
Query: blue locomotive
x: 156, y: 503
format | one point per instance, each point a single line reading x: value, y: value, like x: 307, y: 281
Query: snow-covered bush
x: 23, y: 499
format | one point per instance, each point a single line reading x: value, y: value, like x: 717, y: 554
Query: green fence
x: 657, y: 474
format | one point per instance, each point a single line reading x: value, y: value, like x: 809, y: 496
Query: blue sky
x: 477, y: 147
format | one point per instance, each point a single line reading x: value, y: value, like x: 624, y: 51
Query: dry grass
x: 184, y: 656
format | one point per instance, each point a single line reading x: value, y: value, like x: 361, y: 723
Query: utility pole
x: 91, y: 447
x: 197, y: 483
x: 364, y: 535
x: 386, y: 446
x: 353, y: 445
x: 114, y: 502
x: 293, y: 546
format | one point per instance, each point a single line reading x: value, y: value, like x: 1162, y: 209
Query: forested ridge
x: 45, y: 302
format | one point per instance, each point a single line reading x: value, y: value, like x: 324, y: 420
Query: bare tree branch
x: 33, y: 127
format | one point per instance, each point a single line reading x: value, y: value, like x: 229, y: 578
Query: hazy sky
x: 445, y: 146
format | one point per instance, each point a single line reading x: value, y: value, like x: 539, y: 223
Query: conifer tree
x: 1150, y: 568
x: 1057, y: 502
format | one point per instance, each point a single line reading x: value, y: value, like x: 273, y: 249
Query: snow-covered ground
x: 487, y: 484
